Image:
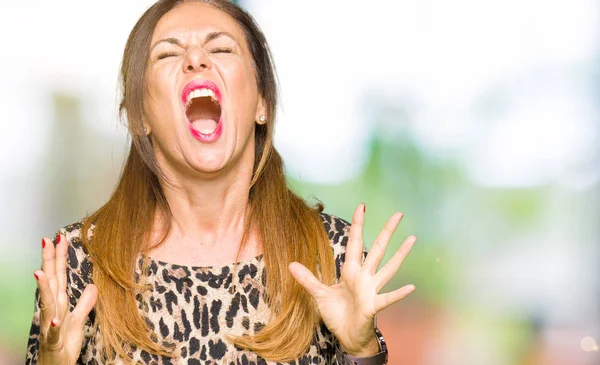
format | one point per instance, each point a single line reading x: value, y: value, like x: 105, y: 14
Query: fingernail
x: 53, y: 324
x: 43, y: 243
x: 364, y: 208
x: 36, y: 276
x: 58, y: 239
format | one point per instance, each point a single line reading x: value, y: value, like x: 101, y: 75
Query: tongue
x: 205, y: 126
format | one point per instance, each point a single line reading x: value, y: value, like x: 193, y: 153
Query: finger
x: 49, y: 263
x: 53, y: 341
x: 62, y: 306
x: 47, y: 305
x: 391, y: 267
x: 382, y: 301
x: 306, y: 278
x: 377, y: 250
x: 354, y: 248
x: 62, y: 302
x: 84, y: 306
x: 61, y: 262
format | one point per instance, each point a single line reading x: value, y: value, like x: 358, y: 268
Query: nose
x: 196, y: 60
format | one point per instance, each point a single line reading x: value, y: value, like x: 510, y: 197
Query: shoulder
x: 337, y: 230
x: 77, y: 254
x: 79, y: 265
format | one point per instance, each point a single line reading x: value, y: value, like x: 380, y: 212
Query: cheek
x: 158, y: 91
x: 151, y: 94
x: 250, y: 82
x: 156, y: 82
x: 242, y: 84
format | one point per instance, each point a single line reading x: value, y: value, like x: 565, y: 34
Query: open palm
x: 61, y: 331
x: 348, y: 307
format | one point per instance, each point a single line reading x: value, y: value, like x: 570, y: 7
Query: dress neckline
x: 253, y: 263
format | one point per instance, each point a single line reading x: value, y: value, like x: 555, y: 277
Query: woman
x: 203, y: 255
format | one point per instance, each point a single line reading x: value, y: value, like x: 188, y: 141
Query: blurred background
x: 478, y: 119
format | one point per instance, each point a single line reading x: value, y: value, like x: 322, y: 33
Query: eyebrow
x: 209, y: 37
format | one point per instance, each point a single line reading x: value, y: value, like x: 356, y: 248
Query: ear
x: 261, y: 116
x: 146, y: 128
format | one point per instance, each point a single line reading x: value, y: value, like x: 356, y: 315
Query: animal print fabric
x: 194, y: 307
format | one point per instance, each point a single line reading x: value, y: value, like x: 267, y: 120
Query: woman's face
x: 202, y: 100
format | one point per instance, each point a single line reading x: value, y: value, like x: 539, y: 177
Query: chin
x: 209, y: 162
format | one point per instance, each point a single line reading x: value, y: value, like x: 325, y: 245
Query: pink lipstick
x: 202, y: 105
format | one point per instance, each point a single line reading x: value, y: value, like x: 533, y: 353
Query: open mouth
x: 203, y: 110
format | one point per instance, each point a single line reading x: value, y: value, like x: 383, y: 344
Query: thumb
x: 85, y: 305
x: 307, y: 279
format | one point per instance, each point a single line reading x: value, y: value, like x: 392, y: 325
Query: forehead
x: 191, y: 19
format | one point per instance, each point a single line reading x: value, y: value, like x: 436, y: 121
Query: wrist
x: 368, y: 348
x: 364, y: 355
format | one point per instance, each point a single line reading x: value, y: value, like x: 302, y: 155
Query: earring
x: 262, y: 119
x: 146, y: 130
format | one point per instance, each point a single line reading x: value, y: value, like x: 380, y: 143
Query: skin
x: 349, y: 307
x: 212, y: 180
x: 209, y: 196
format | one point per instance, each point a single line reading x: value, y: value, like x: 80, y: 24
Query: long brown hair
x: 290, y: 230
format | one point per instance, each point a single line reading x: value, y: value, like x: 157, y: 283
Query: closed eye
x: 221, y: 50
x: 165, y: 55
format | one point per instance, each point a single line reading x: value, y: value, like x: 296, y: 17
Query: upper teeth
x: 199, y: 93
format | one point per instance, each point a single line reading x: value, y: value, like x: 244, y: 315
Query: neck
x: 211, y: 211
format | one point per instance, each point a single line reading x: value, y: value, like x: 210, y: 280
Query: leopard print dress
x: 194, y: 307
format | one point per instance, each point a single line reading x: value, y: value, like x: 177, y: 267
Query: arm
x: 348, y: 308
x: 34, y: 333
x: 338, y: 231
x: 60, y: 314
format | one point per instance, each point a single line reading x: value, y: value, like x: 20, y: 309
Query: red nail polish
x: 36, y: 276
x: 364, y: 208
x: 53, y: 324
x: 58, y: 239
x: 43, y: 243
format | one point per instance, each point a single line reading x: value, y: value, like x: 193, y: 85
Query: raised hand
x: 348, y: 307
x: 61, y: 331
